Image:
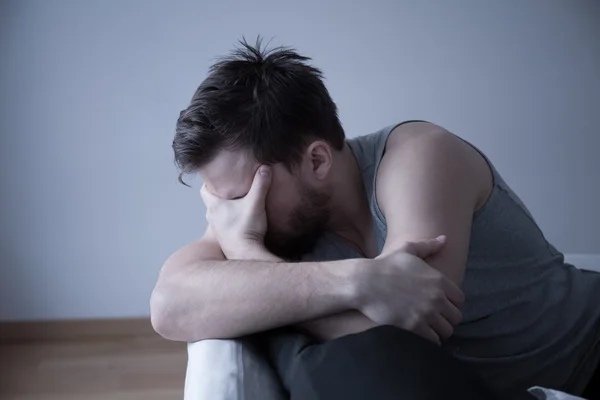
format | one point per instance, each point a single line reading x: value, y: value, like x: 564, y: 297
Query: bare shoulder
x: 429, y: 138
x: 425, y: 147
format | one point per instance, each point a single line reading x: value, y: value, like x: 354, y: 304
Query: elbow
x: 163, y: 317
x: 169, y: 321
x: 159, y: 316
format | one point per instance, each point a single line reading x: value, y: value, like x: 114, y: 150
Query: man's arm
x: 430, y: 182
x: 201, y: 295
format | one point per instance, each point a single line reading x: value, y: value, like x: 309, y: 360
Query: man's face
x: 297, y: 212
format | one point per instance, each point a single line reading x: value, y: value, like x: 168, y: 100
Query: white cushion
x: 229, y: 370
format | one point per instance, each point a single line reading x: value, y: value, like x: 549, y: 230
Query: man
x: 387, y: 228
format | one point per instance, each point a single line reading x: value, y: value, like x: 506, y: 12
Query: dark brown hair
x: 272, y: 102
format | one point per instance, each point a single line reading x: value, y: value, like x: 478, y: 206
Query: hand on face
x: 239, y: 225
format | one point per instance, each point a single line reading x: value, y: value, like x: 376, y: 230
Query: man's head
x: 265, y: 107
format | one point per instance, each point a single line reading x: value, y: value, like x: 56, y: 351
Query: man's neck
x: 351, y: 216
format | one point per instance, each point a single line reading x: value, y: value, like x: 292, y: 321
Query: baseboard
x: 584, y: 261
x: 75, y: 329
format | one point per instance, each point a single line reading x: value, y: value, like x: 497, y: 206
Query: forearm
x: 327, y: 327
x: 331, y: 326
x: 337, y: 325
x: 226, y: 299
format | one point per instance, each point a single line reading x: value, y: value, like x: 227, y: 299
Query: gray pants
x: 381, y: 363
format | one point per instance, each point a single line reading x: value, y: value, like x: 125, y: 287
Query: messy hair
x: 269, y: 101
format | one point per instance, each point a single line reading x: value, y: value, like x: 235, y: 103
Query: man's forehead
x: 229, y: 175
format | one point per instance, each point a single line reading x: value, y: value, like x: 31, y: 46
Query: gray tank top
x: 528, y: 318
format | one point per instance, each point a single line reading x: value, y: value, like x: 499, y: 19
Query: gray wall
x: 91, y: 90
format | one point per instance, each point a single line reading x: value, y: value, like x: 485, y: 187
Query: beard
x: 307, y: 222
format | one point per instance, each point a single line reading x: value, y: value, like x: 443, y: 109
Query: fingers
x: 428, y: 333
x: 451, y: 313
x: 260, y: 185
x: 453, y: 292
x: 424, y: 248
x: 442, y: 327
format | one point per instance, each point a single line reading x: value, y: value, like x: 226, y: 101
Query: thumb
x: 260, y: 185
x: 424, y: 248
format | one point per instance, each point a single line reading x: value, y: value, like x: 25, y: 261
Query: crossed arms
x: 429, y: 183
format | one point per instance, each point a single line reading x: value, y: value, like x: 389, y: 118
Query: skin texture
x: 429, y: 183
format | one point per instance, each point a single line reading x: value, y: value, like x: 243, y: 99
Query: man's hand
x: 239, y: 225
x: 399, y: 288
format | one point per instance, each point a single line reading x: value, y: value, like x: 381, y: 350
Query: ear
x: 318, y: 159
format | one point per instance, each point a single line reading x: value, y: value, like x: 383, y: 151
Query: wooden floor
x: 126, y: 368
